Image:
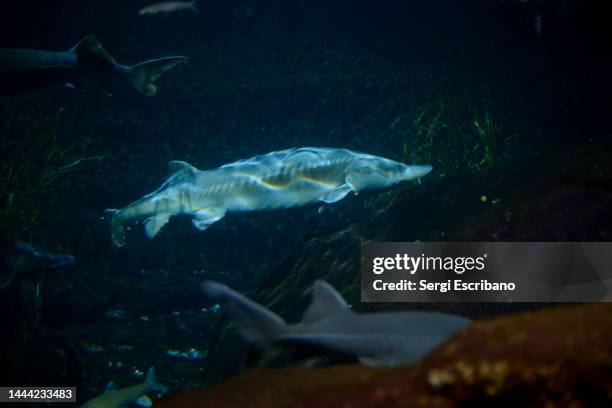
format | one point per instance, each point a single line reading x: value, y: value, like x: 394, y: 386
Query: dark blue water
x: 408, y: 81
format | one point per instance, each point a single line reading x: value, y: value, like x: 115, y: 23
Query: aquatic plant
x: 452, y: 130
x: 455, y: 132
x: 489, y: 134
x: 34, y: 158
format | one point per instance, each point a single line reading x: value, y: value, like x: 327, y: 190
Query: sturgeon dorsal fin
x: 182, y: 170
x: 178, y: 165
x: 326, y: 301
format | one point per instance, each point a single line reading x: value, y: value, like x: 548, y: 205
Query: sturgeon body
x: 282, y: 179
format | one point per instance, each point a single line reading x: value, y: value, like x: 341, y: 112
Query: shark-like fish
x: 377, y: 339
x: 282, y: 179
x: 19, y: 259
x: 23, y: 70
x: 116, y: 398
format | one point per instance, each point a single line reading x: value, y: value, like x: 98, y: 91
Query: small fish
x: 377, y: 339
x: 18, y: 259
x: 116, y: 398
x: 282, y: 179
x: 168, y: 7
x: 23, y: 70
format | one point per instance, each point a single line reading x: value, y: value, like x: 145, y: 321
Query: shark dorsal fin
x: 110, y: 387
x: 326, y: 301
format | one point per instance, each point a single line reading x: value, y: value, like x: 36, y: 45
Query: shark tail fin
x: 152, y: 382
x: 117, y: 227
x: 144, y: 74
x: 91, y: 54
x: 255, y: 323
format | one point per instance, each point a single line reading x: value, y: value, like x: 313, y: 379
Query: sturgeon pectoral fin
x: 353, y: 183
x: 152, y: 225
x: 203, y: 218
x: 336, y: 194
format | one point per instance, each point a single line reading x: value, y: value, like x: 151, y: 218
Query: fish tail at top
x: 144, y: 74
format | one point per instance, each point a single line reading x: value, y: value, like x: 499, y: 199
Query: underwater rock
x: 555, y: 357
x: 565, y: 198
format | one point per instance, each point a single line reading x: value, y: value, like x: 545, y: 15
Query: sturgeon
x: 282, y: 179
x: 377, y: 339
x: 23, y: 70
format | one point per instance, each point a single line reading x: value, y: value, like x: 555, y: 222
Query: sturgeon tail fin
x: 91, y: 54
x: 144, y: 74
x: 152, y: 382
x: 255, y: 323
x: 117, y: 228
